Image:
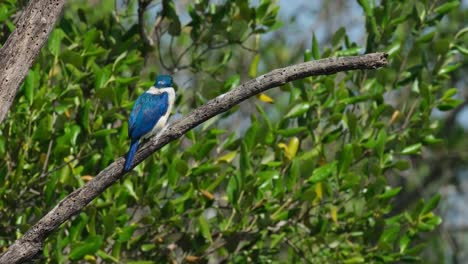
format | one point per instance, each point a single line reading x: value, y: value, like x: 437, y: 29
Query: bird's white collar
x: 153, y: 90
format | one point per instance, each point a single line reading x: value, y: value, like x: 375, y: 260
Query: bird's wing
x: 147, y: 111
x: 132, y: 120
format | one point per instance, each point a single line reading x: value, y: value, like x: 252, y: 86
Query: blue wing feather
x: 146, y: 112
x: 133, y: 116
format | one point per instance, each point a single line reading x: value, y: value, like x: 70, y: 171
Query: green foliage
x: 308, y: 180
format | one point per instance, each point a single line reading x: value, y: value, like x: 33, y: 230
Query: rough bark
x: 23, y: 45
x: 32, y: 241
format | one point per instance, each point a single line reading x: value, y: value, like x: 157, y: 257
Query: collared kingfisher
x: 149, y: 114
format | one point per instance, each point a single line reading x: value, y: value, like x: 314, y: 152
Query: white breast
x: 163, y: 120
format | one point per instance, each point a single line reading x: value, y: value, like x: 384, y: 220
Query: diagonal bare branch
x: 23, y: 45
x: 32, y: 241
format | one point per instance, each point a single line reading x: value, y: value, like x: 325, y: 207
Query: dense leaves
x: 300, y: 174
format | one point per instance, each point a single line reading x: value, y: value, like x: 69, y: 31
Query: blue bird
x: 149, y: 114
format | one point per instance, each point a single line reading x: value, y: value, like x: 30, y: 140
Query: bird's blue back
x: 146, y: 112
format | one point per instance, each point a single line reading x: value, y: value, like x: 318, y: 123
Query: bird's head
x: 163, y: 81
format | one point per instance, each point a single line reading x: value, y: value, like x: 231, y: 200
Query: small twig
x: 298, y: 251
x: 247, y: 48
x: 407, y: 119
x: 183, y: 53
x: 171, y: 52
x: 203, y: 52
x: 148, y: 42
x: 156, y: 25
x: 161, y: 60
x: 67, y: 163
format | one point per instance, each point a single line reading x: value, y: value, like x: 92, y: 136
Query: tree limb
x: 147, y: 41
x: 32, y: 241
x: 23, y: 45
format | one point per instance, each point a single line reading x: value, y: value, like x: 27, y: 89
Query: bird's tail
x: 131, y: 153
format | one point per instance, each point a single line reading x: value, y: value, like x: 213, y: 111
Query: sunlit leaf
x: 323, y: 172
x: 265, y: 98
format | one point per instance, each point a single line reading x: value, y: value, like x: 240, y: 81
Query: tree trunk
x: 23, y: 45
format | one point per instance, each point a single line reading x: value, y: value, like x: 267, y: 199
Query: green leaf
x: 78, y: 74
x: 233, y: 189
x: 251, y: 135
x: 349, y: 52
x: 179, y: 167
x: 30, y: 84
x: 118, y: 60
x: 293, y: 131
x: 266, y: 177
x: 442, y: 46
x: 315, y: 48
x: 380, y: 143
x: 389, y: 193
x: 126, y: 233
x: 204, y: 228
x: 448, y: 104
x: 106, y: 256
x: 431, y: 204
x: 447, y: 7
x: 105, y: 132
x: 129, y: 187
x: 298, y: 110
x: 461, y: 49
x: 244, y: 162
x: 354, y: 260
x: 127, y: 80
x: 431, y: 139
x: 402, y: 165
x: 307, y: 55
x: 55, y: 41
x: 73, y: 133
x: 356, y: 99
x: 89, y: 39
x: 205, y: 169
x: 147, y: 247
x: 205, y: 148
x: 449, y: 93
x: 426, y: 37
x: 346, y: 158
x: 254, y: 66
x: 449, y: 68
x: 321, y: 173
x: 461, y: 33
x: 232, y: 82
x: 434, y: 220
x: 404, y: 242
x: 102, y: 77
x: 169, y: 11
x: 390, y: 234
x: 339, y: 34
x: 87, y: 247
x: 393, y: 49
x: 413, y: 149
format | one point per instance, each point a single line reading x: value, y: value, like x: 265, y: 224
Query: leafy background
x: 347, y: 168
